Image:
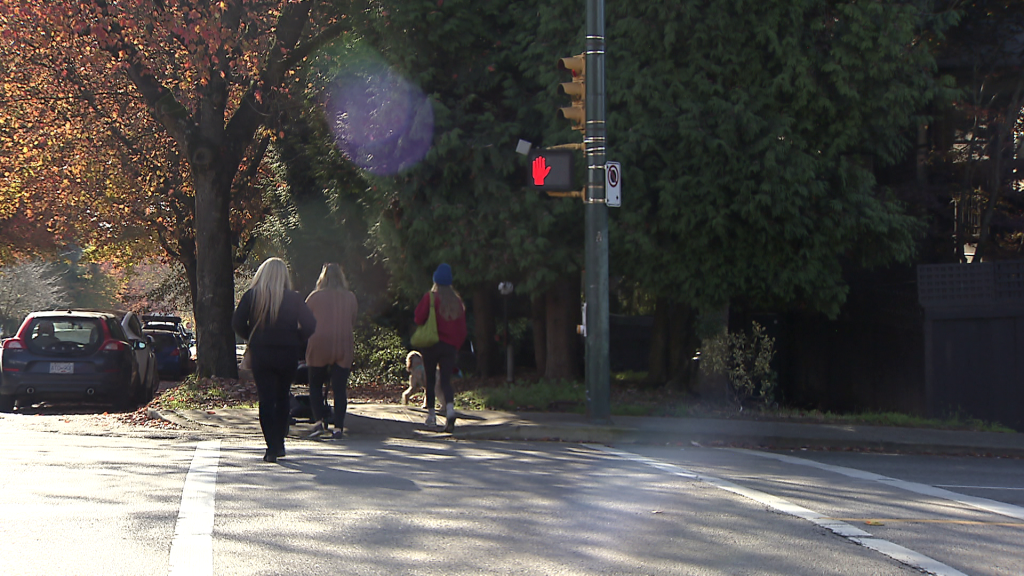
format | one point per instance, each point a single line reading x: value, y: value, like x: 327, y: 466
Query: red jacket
x: 448, y: 331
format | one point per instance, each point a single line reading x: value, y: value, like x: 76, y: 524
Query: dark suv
x: 167, y: 322
x: 173, y: 357
x: 71, y: 355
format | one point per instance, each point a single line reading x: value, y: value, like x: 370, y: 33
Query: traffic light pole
x: 598, y: 368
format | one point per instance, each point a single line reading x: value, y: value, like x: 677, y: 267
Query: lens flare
x: 381, y: 121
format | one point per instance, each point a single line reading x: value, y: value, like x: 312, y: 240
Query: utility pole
x: 598, y: 367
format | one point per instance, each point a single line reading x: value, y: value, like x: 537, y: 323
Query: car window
x: 64, y: 335
x: 164, y: 339
x: 116, y: 332
x: 135, y: 325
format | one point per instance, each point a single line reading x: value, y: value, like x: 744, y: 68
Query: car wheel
x: 125, y: 400
x: 7, y: 403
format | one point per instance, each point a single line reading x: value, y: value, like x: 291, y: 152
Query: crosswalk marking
x: 192, y: 547
x: 994, y: 506
x: 895, y: 551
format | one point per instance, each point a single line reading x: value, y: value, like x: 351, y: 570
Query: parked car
x: 173, y: 356
x: 167, y: 322
x: 76, y: 355
x: 240, y: 348
x: 144, y: 352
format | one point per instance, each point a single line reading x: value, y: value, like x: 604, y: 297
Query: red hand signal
x: 540, y: 170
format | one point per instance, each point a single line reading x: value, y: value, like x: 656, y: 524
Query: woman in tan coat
x: 330, y: 349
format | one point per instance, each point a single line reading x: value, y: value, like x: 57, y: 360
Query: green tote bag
x: 425, y: 336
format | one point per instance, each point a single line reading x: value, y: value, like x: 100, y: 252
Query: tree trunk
x: 683, y: 345
x: 483, y: 323
x: 215, y: 294
x: 657, y: 359
x: 561, y: 331
x: 538, y: 317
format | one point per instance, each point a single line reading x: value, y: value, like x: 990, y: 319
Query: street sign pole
x: 598, y: 367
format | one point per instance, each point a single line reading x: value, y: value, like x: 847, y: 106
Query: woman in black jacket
x: 276, y: 322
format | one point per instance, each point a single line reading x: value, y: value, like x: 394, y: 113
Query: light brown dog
x: 418, y: 379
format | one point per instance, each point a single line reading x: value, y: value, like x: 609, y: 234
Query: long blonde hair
x: 450, y: 306
x: 268, y: 287
x: 332, y: 277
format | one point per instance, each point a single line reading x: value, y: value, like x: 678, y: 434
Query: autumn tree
x: 109, y: 100
x: 29, y: 286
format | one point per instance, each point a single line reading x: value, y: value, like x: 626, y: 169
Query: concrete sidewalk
x: 395, y: 421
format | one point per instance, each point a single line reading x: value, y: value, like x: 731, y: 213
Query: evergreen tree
x: 749, y: 133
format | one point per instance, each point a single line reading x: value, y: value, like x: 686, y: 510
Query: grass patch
x: 563, y: 396
x: 540, y: 396
x: 628, y: 378
x: 898, y: 419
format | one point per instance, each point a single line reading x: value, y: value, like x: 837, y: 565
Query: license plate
x: 62, y: 367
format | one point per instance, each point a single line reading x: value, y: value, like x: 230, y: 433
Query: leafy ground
x: 528, y: 393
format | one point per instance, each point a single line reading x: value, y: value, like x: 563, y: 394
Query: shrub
x: 747, y: 363
x: 379, y: 356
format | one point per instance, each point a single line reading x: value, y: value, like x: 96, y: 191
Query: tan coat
x: 332, y: 343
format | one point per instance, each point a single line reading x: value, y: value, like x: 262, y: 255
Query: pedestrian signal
x: 551, y: 170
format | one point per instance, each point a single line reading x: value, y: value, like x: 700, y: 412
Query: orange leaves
x: 77, y: 138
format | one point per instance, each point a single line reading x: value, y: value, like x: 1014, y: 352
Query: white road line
x: 895, y: 551
x: 192, y: 547
x: 993, y: 506
x: 977, y: 487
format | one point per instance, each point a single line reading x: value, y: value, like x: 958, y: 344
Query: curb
x: 172, y: 417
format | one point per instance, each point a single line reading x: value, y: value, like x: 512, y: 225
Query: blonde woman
x: 276, y: 322
x: 331, y: 348
x: 442, y: 357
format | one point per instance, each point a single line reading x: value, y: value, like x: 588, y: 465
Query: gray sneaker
x: 431, y: 421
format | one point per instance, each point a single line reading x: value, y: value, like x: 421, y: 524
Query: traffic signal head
x: 576, y: 90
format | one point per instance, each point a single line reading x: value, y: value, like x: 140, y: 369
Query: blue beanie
x: 443, y: 275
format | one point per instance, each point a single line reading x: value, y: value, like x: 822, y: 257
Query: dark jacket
x: 295, y: 322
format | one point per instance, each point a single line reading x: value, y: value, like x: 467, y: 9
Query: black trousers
x: 446, y: 357
x: 339, y: 384
x: 273, y: 369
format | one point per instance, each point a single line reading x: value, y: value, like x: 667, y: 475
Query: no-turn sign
x: 613, y: 184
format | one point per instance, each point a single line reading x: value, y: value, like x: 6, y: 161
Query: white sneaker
x: 449, y: 418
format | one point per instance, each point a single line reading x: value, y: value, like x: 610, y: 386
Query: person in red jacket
x: 442, y: 357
